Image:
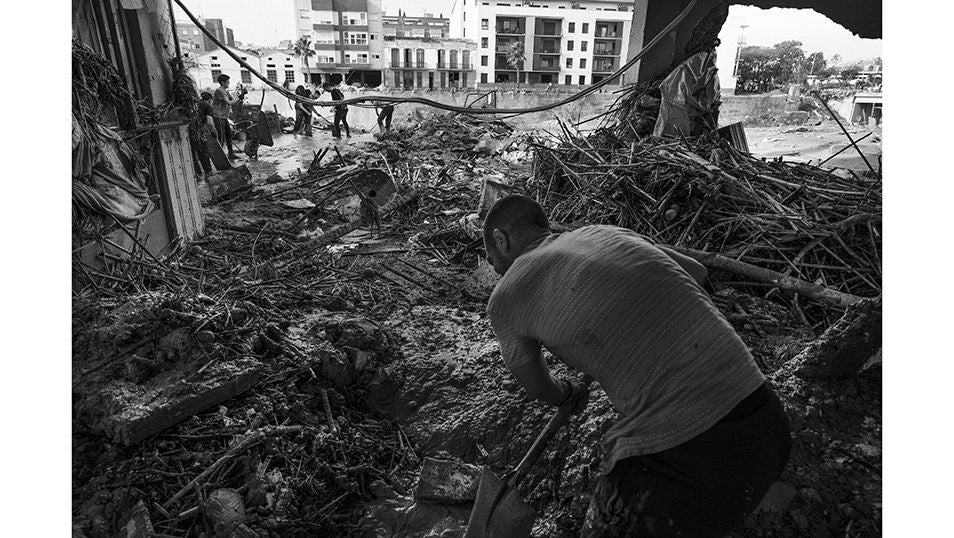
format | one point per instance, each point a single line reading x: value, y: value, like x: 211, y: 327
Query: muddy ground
x: 399, y: 344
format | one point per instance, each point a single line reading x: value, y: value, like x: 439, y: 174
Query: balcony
x: 503, y: 44
x: 547, y: 45
x: 511, y: 25
x: 551, y: 67
x: 601, y: 49
x: 609, y: 31
x: 410, y: 65
x: 548, y: 27
x: 504, y: 66
x: 604, y: 67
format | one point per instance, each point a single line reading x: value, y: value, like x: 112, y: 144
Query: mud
x: 417, y: 367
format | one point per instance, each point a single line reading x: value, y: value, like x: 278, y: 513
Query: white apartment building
x: 347, y: 36
x: 278, y: 66
x: 431, y: 63
x: 564, y: 42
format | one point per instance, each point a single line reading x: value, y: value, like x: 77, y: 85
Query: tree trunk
x: 845, y: 346
x: 760, y: 274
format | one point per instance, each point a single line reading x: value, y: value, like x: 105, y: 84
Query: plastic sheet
x: 106, y: 179
x: 689, y: 93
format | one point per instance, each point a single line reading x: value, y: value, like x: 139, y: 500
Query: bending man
x: 701, y: 435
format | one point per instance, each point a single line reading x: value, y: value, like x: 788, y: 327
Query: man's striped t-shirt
x: 609, y: 303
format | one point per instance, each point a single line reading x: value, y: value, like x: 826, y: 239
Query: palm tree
x: 515, y: 57
x: 304, y: 51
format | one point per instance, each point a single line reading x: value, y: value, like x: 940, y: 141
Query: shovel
x: 499, y: 512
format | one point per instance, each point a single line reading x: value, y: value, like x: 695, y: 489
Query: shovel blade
x: 511, y: 517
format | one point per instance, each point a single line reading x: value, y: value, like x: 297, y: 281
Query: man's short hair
x: 515, y: 212
x: 206, y: 96
x: 222, y: 78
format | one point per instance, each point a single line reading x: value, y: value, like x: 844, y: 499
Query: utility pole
x: 738, y: 49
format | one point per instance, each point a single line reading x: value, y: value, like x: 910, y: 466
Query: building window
x: 289, y: 76
x: 582, y: 79
x: 569, y: 62
x: 582, y: 63
x: 246, y: 76
x: 289, y: 66
x: 216, y: 73
x: 484, y: 43
x: 568, y: 80
x: 269, y: 65
x: 216, y: 65
x: 586, y: 27
x: 271, y: 75
x: 244, y: 59
x: 215, y: 57
x: 483, y: 78
x: 484, y: 24
x: 483, y: 60
x: 583, y: 45
x: 572, y: 27
x: 569, y: 45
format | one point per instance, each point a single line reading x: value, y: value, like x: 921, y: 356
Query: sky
x: 267, y: 22
x: 817, y: 32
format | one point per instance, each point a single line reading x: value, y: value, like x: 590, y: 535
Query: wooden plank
x: 153, y: 233
x: 177, y: 182
x: 170, y: 398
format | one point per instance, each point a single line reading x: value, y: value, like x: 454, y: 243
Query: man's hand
x: 576, y: 395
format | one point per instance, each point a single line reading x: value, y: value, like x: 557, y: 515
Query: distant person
x: 341, y: 112
x: 384, y: 117
x: 202, y: 128
x: 303, y: 112
x: 222, y: 103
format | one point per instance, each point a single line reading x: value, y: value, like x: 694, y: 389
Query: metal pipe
x: 838, y: 121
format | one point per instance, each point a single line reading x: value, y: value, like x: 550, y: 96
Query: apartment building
x: 191, y: 39
x: 426, y: 26
x: 429, y: 63
x: 348, y: 39
x: 278, y: 66
x: 563, y: 42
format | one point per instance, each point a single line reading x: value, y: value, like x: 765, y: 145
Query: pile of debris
x: 206, y: 385
x: 791, y: 218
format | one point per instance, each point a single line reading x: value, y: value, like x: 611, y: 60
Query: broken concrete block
x: 226, y: 511
x: 447, y: 481
x: 360, y: 334
x: 228, y: 181
x: 778, y: 497
x: 139, y: 524
x: 133, y: 412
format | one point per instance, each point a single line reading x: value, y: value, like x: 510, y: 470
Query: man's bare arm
x: 524, y: 360
x: 695, y: 269
x: 537, y: 380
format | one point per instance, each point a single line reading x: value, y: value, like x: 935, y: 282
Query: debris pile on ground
x: 288, y: 373
x: 792, y: 218
x: 207, y: 372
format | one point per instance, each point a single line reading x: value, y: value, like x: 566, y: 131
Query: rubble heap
x: 793, y: 218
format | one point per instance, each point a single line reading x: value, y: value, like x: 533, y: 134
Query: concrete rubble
x: 299, y: 371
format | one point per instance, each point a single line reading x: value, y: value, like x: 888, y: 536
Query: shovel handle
x: 553, y: 426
